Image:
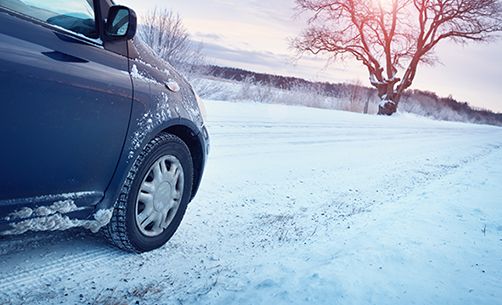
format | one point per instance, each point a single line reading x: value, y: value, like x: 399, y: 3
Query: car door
x: 65, y: 102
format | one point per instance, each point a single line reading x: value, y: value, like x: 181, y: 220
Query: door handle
x: 64, y: 57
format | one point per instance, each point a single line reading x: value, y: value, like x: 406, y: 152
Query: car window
x: 73, y: 15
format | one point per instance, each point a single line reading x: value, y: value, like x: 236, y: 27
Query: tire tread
x: 116, y: 232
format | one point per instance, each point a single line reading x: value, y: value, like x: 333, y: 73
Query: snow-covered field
x: 302, y: 206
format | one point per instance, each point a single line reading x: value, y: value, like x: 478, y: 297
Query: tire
x: 160, y: 180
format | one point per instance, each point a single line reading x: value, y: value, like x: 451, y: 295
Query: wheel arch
x: 196, y: 147
x: 195, y: 138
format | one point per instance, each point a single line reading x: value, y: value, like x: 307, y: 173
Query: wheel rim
x: 159, y: 196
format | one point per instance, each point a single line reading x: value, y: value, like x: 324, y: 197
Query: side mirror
x: 121, y: 23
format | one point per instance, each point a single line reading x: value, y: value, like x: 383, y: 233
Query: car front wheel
x: 155, y: 196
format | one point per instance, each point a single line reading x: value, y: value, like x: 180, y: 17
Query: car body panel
x: 58, y: 95
x: 79, y: 113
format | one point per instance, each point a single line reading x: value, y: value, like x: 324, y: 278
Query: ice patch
x: 101, y: 219
x: 62, y: 206
x: 21, y: 214
x: 144, y: 63
x: 58, y: 222
x: 137, y: 75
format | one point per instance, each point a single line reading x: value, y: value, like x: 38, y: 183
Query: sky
x: 256, y: 35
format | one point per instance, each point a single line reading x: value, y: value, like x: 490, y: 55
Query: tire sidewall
x: 174, y: 148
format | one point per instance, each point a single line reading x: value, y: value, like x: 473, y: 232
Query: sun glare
x: 385, y: 4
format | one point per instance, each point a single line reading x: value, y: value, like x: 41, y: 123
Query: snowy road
x: 302, y: 206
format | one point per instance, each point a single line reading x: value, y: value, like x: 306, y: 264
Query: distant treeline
x: 276, y: 81
x: 415, y: 101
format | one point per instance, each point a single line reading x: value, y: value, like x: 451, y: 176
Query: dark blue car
x: 95, y: 130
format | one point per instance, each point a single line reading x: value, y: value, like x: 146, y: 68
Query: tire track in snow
x: 49, y: 272
x: 44, y: 271
x: 299, y: 225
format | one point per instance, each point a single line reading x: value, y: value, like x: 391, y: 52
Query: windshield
x: 73, y: 15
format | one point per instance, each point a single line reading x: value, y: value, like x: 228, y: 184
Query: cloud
x: 220, y: 52
x: 207, y: 36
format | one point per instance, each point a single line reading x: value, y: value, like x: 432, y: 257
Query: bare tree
x: 392, y: 37
x: 164, y: 32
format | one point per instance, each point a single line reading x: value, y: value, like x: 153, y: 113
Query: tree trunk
x: 367, y: 104
x: 387, y: 107
x: 389, y: 98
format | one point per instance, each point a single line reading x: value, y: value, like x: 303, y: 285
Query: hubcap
x: 159, y: 196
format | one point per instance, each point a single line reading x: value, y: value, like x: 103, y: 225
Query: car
x: 95, y: 130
